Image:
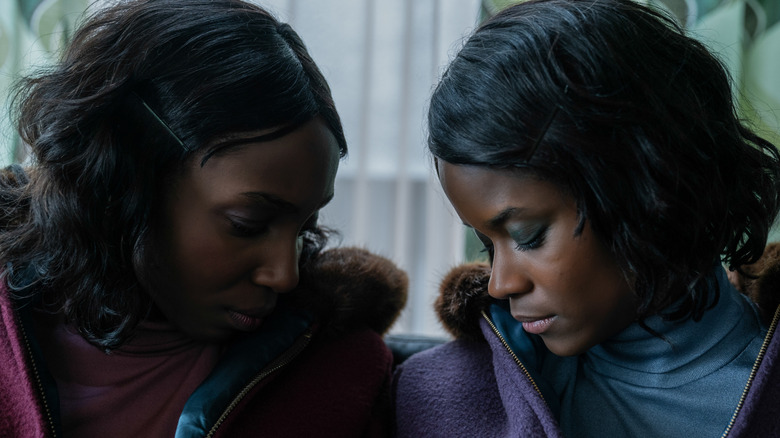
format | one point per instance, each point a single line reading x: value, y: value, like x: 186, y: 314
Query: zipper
x: 770, y: 332
x: 756, y: 364
x: 274, y: 366
x: 41, y: 390
x: 514, y: 356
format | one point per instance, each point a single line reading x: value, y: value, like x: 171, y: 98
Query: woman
x: 163, y: 272
x: 594, y: 149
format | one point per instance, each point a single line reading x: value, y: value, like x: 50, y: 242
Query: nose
x: 278, y: 267
x: 508, y: 278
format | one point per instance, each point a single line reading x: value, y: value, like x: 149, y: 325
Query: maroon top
x: 147, y: 380
x: 318, y: 366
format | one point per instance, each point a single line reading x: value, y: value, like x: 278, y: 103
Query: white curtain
x: 382, y: 59
x: 31, y: 34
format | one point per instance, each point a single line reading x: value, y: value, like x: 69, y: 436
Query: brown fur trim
x: 463, y: 295
x: 352, y: 288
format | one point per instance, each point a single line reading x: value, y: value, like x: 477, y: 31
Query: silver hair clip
x: 544, y: 130
x: 161, y: 122
x: 542, y: 134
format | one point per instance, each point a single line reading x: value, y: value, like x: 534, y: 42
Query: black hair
x: 143, y: 88
x: 614, y: 103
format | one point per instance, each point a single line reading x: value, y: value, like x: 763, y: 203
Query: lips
x: 247, y: 320
x: 535, y: 324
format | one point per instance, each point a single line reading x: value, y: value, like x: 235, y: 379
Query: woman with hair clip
x: 594, y: 149
x: 163, y: 271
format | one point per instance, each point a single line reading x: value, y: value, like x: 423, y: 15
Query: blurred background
x: 382, y: 59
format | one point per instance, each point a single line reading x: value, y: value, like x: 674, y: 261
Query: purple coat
x: 473, y: 386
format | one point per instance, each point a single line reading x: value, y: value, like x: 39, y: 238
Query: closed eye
x: 534, y: 242
x: 243, y: 228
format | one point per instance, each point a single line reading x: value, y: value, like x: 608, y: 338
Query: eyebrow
x: 499, y: 219
x: 267, y: 198
x: 269, y: 136
x: 231, y: 143
x: 281, y: 204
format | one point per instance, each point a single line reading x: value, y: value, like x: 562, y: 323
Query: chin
x: 565, y: 349
x: 205, y: 334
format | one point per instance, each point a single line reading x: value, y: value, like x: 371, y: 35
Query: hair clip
x: 542, y: 134
x: 161, y: 121
x: 544, y: 130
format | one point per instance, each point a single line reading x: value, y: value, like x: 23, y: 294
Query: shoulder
x: 360, y: 352
x: 351, y: 369
x: 458, y: 374
x: 338, y: 386
x: 467, y: 362
x: 447, y: 390
x: 460, y: 356
x: 451, y: 374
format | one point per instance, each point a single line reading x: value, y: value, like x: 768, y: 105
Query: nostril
x: 277, y: 265
x: 278, y: 278
x: 508, y: 282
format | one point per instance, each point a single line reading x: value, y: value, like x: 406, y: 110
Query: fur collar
x: 351, y: 288
x: 463, y: 292
x: 462, y: 297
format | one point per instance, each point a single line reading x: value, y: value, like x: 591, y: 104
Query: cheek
x: 198, y: 257
x: 592, y: 281
x: 609, y: 293
x: 206, y: 262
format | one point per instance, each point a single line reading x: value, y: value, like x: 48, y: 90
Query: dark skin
x: 563, y: 286
x: 230, y: 237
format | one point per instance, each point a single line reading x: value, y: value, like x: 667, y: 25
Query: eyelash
x: 536, y: 241
x: 486, y: 247
x: 242, y: 230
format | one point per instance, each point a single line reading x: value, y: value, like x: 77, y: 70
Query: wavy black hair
x: 143, y: 87
x: 614, y: 103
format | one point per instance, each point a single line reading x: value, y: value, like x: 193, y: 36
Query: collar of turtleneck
x: 685, y: 350
x: 692, y: 375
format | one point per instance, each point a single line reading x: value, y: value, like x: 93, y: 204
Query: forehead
x: 480, y: 192
x: 462, y: 179
x: 297, y: 165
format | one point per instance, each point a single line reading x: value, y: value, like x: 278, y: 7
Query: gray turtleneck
x: 686, y: 384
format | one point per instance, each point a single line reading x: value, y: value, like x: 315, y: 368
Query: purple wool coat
x: 473, y: 386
